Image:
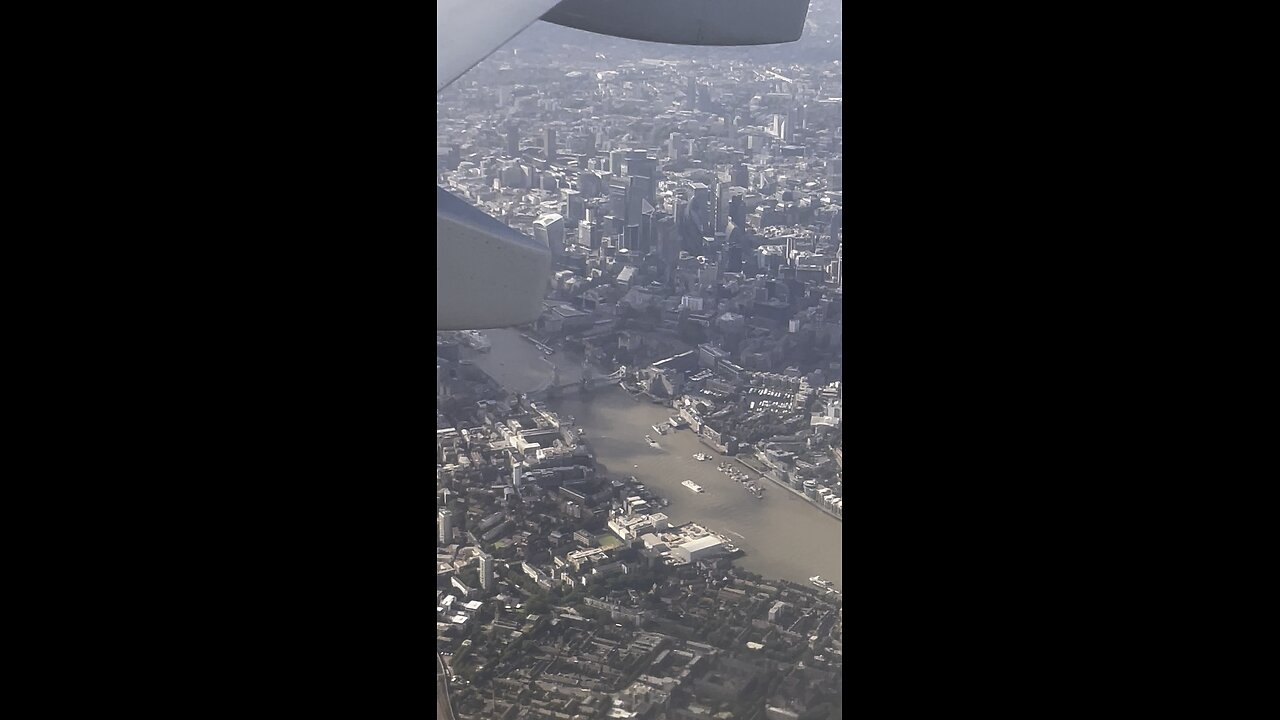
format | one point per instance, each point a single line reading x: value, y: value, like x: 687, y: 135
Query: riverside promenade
x: 444, y: 710
x: 755, y: 467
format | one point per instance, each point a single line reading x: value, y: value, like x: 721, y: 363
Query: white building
x: 486, y: 572
x: 630, y: 528
x: 698, y: 549
x: 445, y: 521
x: 550, y: 230
x: 462, y: 587
x: 653, y: 542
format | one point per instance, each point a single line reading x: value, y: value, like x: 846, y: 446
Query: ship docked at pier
x: 475, y: 340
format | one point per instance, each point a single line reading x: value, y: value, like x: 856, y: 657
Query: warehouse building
x: 695, y: 550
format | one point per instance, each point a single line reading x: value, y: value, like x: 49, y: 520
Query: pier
x: 764, y: 474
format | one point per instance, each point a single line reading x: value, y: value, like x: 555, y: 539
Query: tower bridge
x: 586, y: 382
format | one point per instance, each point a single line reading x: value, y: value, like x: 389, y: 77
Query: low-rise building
x: 698, y: 549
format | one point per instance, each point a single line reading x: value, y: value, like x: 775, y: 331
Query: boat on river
x: 692, y: 486
x: 476, y: 340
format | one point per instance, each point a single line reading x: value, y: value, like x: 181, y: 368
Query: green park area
x: 608, y: 541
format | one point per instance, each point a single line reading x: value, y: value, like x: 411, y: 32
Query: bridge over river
x: 586, y: 382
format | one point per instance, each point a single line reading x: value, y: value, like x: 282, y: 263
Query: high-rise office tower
x: 701, y: 206
x: 644, y: 242
x: 779, y: 129
x: 673, y: 146
x: 720, y: 204
x: 617, y: 205
x: 612, y: 225
x: 640, y: 163
x: 666, y: 240
x: 691, y: 94
x: 737, y: 211
x: 513, y: 176
x: 486, y: 571
x: 513, y: 141
x: 575, y: 208
x: 589, y: 234
x: 444, y: 520
x: 590, y: 185
x: 582, y: 143
x: 549, y: 143
x: 550, y: 230
x: 638, y: 193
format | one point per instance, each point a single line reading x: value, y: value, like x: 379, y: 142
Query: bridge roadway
x: 444, y: 710
x: 590, y: 383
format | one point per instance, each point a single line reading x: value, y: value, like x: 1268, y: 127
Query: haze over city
x: 640, y: 493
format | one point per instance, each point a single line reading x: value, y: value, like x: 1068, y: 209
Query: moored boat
x: 475, y: 340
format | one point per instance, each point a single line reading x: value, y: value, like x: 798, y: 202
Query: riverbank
x: 780, y: 536
x: 765, y: 474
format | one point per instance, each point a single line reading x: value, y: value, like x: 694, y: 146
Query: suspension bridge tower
x: 586, y: 375
x: 553, y: 390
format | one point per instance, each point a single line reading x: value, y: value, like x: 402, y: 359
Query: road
x: 444, y: 711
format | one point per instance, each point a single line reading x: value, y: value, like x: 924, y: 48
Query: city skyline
x: 691, y: 201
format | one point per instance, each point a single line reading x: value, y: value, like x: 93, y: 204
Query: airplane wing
x: 687, y: 22
x: 488, y: 275
x: 467, y: 31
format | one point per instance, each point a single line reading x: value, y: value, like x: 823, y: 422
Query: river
x: 782, y: 536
